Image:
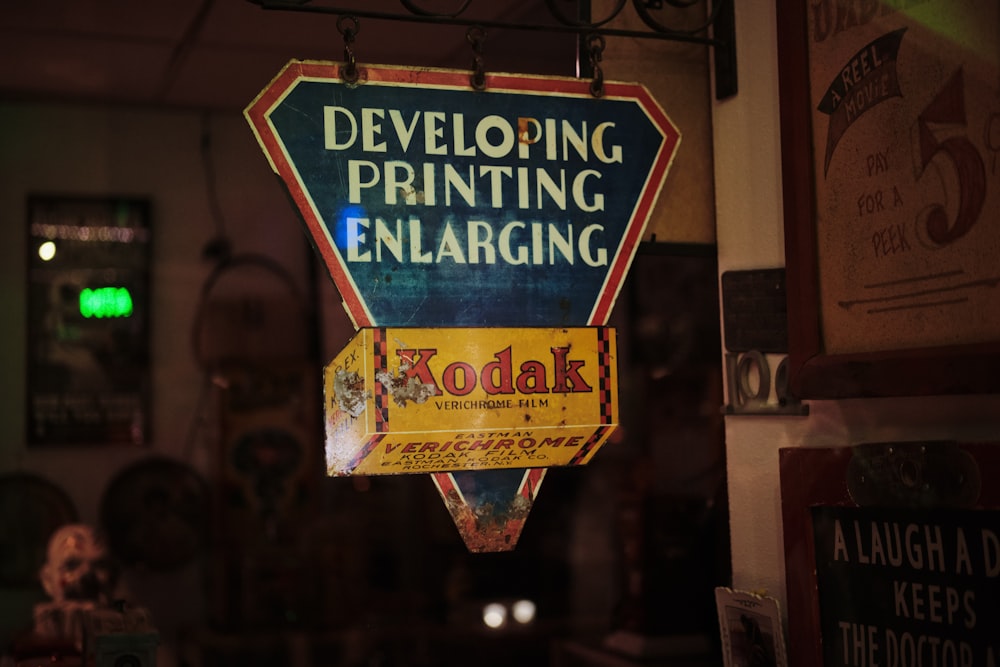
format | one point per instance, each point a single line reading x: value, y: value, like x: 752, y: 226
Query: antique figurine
x: 80, y: 576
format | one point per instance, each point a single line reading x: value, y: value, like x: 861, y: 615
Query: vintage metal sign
x: 520, y: 205
x: 436, y: 205
x: 403, y: 400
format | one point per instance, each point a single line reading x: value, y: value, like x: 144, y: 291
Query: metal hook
x: 595, y: 47
x: 476, y: 36
x: 350, y: 70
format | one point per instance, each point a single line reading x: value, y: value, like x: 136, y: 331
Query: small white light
x: 47, y: 251
x: 494, y: 615
x: 523, y: 611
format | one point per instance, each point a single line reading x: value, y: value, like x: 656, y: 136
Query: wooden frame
x: 815, y: 372
x: 826, y: 477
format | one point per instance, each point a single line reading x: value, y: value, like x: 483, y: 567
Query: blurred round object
x: 31, y: 510
x: 523, y: 611
x: 494, y: 615
x: 156, y: 514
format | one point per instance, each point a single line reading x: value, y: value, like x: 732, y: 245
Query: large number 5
x: 949, y: 107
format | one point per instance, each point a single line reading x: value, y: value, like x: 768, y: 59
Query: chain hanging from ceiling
x: 716, y: 31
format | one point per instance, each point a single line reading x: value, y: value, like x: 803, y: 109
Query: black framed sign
x: 890, y: 131
x: 892, y: 553
x: 905, y: 586
x: 88, y: 378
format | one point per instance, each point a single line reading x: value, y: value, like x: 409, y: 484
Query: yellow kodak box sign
x: 416, y: 400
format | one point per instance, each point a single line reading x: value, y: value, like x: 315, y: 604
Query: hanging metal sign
x: 516, y: 204
x: 405, y: 400
x: 519, y: 205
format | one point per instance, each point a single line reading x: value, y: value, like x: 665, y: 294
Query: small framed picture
x: 750, y: 625
x: 88, y: 373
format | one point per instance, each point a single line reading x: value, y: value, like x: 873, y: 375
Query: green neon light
x: 105, y: 302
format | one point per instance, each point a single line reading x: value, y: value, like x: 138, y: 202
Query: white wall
x: 749, y: 232
x: 120, y: 151
x: 83, y: 150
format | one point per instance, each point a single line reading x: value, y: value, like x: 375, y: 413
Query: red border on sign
x: 258, y: 112
x: 647, y: 199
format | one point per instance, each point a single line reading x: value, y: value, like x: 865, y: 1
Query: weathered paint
x: 554, y: 253
x: 416, y: 400
x: 433, y: 204
x: 489, y: 509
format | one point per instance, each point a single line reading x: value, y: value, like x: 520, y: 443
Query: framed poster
x: 88, y: 300
x: 890, y: 131
x: 892, y: 553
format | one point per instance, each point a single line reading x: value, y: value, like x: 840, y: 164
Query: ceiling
x: 218, y: 54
